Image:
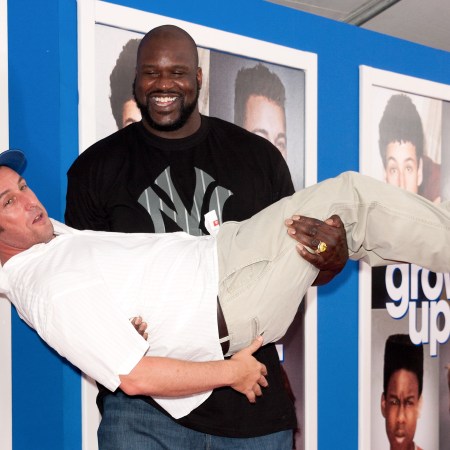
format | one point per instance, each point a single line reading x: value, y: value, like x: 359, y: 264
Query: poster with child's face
x: 265, y: 98
x: 286, y: 80
x: 405, y: 312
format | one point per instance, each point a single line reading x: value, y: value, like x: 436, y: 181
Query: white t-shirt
x: 80, y: 290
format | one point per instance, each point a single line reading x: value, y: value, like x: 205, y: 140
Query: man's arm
x: 309, y: 232
x: 167, y: 377
x: 91, y: 331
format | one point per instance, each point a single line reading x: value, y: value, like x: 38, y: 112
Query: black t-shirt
x: 133, y: 181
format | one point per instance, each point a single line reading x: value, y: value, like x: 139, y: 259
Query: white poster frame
x: 5, y: 305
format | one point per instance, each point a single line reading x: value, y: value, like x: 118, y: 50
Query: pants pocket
x: 243, y: 277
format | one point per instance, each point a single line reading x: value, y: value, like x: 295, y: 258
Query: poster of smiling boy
x: 402, y: 142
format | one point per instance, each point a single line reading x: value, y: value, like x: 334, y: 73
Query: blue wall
x: 43, y: 121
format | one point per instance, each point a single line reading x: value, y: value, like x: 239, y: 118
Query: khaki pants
x: 262, y: 279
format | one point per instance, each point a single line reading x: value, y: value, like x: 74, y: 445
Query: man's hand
x: 249, y: 372
x: 140, y: 326
x: 309, y: 233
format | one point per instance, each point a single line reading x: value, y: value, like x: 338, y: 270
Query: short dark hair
x: 257, y: 80
x: 401, y: 353
x: 401, y: 122
x: 121, y: 79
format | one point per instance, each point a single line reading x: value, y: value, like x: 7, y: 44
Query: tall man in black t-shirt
x: 162, y: 175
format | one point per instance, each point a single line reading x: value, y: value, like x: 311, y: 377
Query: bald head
x: 171, y: 35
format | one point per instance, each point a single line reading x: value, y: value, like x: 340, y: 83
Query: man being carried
x: 78, y: 288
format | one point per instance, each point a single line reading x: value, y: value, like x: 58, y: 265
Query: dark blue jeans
x: 132, y: 424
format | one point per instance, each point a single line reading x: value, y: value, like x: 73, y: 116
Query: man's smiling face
x: 167, y: 83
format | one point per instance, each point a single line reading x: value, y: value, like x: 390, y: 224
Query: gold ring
x: 321, y: 247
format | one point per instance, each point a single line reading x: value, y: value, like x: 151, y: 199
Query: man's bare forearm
x: 156, y: 376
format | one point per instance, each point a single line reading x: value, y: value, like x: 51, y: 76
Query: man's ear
x: 383, y: 405
x: 419, y: 407
x: 199, y: 77
x: 420, y: 173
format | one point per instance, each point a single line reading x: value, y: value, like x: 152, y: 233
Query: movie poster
x: 406, y: 390
x: 268, y: 99
x: 281, y: 89
x: 286, y: 82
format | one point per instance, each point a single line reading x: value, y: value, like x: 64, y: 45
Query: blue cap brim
x: 14, y: 159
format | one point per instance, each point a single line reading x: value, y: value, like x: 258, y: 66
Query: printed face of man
x: 23, y: 220
x: 403, y: 169
x: 267, y: 119
x: 400, y: 406
x: 130, y: 113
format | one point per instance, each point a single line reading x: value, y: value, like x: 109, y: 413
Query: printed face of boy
x: 403, y: 169
x: 130, y: 113
x: 267, y: 119
x: 400, y: 406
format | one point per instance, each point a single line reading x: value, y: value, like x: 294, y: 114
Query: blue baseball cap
x: 14, y: 159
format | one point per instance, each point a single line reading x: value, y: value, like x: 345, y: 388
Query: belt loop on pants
x: 224, y: 338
